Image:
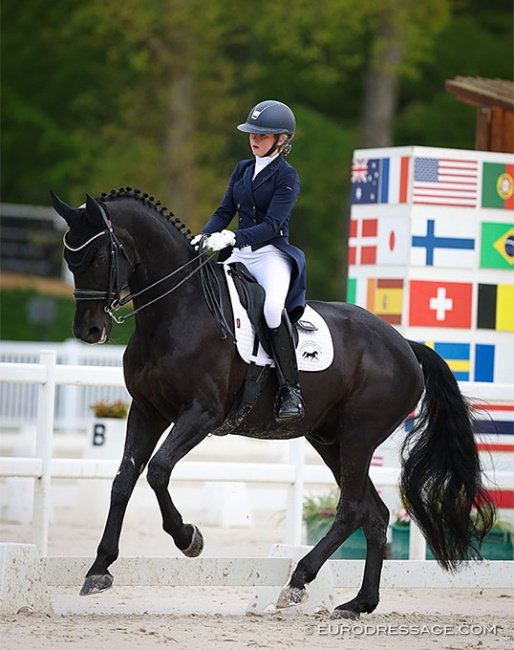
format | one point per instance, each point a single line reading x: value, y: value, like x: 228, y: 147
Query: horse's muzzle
x: 93, y: 331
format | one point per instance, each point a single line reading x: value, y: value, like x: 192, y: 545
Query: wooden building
x: 494, y: 99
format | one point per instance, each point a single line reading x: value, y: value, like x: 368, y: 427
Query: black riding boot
x: 288, y: 404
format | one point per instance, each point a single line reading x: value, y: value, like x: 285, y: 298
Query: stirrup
x: 289, y: 405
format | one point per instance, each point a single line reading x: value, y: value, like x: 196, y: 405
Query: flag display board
x: 431, y: 251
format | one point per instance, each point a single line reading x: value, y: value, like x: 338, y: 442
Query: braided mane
x: 149, y: 201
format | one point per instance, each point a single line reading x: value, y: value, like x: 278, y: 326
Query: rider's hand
x: 196, y: 241
x: 220, y: 240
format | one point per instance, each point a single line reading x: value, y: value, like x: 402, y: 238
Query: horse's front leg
x: 190, y: 429
x: 141, y: 439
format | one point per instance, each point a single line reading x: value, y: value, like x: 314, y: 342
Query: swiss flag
x: 440, y: 304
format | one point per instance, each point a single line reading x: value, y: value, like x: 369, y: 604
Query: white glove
x: 220, y: 240
x: 196, y: 241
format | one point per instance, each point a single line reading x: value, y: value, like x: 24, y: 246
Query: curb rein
x: 212, y: 295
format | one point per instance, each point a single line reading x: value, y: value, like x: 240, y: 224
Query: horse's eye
x: 100, y: 259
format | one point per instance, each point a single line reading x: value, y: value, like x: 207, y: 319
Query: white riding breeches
x: 272, y: 270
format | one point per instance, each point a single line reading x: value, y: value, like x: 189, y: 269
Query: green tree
x: 114, y: 92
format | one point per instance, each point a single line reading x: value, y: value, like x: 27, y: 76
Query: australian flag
x: 365, y: 180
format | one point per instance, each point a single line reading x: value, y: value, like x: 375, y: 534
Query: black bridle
x: 210, y: 285
x: 116, y: 250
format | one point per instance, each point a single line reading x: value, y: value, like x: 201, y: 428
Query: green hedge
x: 15, y: 324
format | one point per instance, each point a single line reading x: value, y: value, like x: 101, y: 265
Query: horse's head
x: 99, y: 263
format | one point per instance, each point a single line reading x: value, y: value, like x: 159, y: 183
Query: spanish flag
x: 385, y: 299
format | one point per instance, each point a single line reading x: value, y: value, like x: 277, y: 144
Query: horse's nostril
x: 89, y: 334
x: 94, y: 334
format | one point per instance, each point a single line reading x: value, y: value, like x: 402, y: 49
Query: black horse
x: 179, y: 369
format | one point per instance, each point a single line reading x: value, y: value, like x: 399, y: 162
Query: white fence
x: 18, y: 400
x: 48, y: 375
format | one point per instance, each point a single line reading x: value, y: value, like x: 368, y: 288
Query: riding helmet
x: 270, y: 116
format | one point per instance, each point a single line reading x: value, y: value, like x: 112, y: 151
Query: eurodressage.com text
x: 341, y: 629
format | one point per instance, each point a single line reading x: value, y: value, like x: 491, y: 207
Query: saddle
x: 312, y: 339
x: 311, y: 335
x: 251, y: 296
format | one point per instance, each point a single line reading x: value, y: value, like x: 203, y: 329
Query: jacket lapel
x: 268, y: 171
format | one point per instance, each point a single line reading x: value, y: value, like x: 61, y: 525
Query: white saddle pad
x: 314, y: 352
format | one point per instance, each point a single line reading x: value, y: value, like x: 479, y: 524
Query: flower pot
x: 497, y: 545
x: 354, y: 548
x: 106, y: 438
x: 400, y: 539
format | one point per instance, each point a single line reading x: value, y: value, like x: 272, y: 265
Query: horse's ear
x: 95, y: 213
x: 63, y: 209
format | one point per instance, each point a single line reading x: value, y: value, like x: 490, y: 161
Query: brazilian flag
x: 497, y: 246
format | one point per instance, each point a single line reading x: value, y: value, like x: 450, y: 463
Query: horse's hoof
x: 345, y: 613
x: 96, y: 584
x: 196, y: 547
x: 291, y: 596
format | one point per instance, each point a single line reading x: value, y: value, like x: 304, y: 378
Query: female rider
x: 263, y: 191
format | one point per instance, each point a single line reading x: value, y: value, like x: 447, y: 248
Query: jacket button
x: 238, y: 206
x: 255, y: 220
x: 253, y: 207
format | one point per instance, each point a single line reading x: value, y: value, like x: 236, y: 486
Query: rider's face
x: 261, y: 143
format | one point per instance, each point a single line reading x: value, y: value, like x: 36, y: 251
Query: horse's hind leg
x: 350, y: 468
x: 139, y: 446
x: 375, y: 531
x: 359, y: 505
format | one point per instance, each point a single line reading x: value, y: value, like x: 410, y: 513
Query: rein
x: 120, y: 302
x: 211, y: 288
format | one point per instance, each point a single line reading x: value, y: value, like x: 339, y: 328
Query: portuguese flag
x: 498, y: 186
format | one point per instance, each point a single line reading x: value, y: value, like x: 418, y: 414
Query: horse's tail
x: 441, y: 479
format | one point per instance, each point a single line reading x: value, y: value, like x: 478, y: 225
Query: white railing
x: 47, y: 375
x: 18, y: 401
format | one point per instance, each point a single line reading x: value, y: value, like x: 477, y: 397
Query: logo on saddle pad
x: 314, y: 352
x: 310, y: 351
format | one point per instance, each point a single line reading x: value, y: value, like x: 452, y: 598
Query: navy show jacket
x: 264, y: 208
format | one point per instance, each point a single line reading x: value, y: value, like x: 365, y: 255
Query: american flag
x: 445, y: 181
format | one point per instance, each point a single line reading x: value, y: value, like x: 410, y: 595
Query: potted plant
x: 496, y: 545
x: 104, y: 409
x: 318, y: 514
